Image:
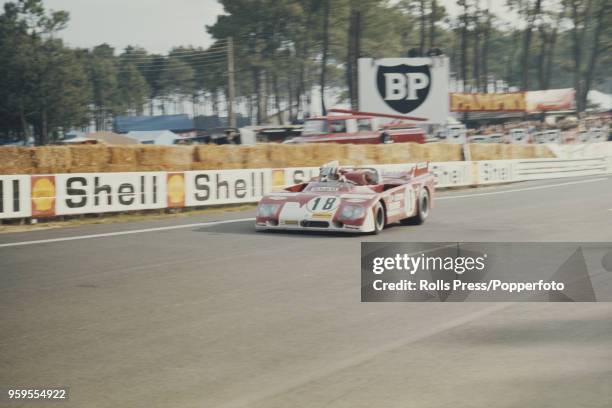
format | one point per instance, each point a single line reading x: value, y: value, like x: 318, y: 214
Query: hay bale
x: 322, y: 153
x: 87, y: 169
x: 371, y: 153
x: 16, y: 160
x: 179, y: 158
x: 386, y: 154
x: 123, y: 155
x: 205, y: 157
x: 418, y: 153
x: 214, y: 157
x: 356, y: 155
x: 165, y: 158
x: 279, y: 154
x: 521, y: 151
x: 230, y: 157
x: 494, y: 151
x: 52, y: 159
x: 121, y: 168
x: 442, y: 152
x: 400, y: 152
x: 543, y: 152
x: 256, y: 156
x: 88, y: 158
x: 151, y: 155
x: 152, y: 168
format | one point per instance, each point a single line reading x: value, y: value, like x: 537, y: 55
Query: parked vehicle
x: 478, y: 139
x: 583, y: 136
x: 548, y: 136
x: 518, y: 136
x: 598, y: 135
x: 454, y: 133
x: 357, y: 129
x: 495, y: 138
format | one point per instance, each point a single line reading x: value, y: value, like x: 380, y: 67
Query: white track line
x: 213, y: 223
x: 522, y: 189
x: 129, y: 232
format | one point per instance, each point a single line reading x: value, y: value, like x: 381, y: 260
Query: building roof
x: 175, y: 123
x: 78, y: 140
x: 111, y: 138
x: 164, y: 137
x: 203, y: 122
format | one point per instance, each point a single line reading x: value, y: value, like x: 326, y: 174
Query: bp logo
x: 404, y: 87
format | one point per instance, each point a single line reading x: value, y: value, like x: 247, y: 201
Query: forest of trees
x: 284, y: 48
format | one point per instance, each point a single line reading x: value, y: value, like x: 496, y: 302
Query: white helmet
x: 330, y: 171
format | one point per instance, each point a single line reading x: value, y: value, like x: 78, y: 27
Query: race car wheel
x: 385, y: 138
x: 379, y: 218
x: 423, y: 206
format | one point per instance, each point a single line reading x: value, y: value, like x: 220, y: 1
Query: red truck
x: 357, y: 129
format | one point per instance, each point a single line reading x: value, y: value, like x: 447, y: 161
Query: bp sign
x: 405, y: 86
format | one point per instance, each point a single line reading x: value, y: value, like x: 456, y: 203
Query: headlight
x: 352, y: 212
x: 267, y: 210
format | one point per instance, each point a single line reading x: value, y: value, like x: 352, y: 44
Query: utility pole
x: 231, y: 83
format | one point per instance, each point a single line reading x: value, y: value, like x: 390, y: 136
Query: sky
x: 156, y: 25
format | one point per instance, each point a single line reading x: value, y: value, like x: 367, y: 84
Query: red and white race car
x: 350, y: 199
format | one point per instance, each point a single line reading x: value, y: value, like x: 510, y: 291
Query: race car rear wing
x: 420, y: 168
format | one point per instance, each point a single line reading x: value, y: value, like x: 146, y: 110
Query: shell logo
x: 43, y: 195
x: 175, y: 184
x: 278, y: 179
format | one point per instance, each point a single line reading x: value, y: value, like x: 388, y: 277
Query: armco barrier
x: 556, y: 168
x: 43, y: 196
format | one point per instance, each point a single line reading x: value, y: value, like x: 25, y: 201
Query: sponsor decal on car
x: 326, y: 204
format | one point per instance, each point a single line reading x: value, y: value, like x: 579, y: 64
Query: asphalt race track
x: 191, y: 312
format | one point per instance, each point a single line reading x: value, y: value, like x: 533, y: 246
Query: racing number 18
x: 328, y: 204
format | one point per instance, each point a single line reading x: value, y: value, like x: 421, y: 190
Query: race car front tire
x: 379, y: 218
x: 423, y: 206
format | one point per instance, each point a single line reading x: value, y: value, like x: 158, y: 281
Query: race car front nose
x: 267, y: 210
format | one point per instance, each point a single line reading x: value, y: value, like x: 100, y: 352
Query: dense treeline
x: 284, y: 48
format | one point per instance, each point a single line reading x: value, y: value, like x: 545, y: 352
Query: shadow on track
x: 248, y: 228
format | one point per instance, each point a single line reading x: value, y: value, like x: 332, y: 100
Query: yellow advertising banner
x: 504, y: 102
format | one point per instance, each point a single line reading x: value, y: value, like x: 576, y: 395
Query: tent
x: 161, y: 137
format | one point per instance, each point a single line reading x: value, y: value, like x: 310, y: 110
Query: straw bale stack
x: 400, y: 152
x: 513, y: 151
x: 386, y: 154
x: 442, y: 152
x: 124, y: 155
x: 121, y: 168
x: 355, y: 155
x: 214, y: 157
x: 16, y: 160
x: 165, y: 158
x: 256, y: 156
x: 543, y: 152
x: 88, y: 158
x: 291, y: 155
x: 492, y: 151
x: 52, y: 159
x: 325, y: 152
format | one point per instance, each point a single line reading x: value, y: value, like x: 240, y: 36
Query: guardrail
x: 45, y: 196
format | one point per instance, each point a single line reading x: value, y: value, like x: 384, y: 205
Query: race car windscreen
x: 332, y: 185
